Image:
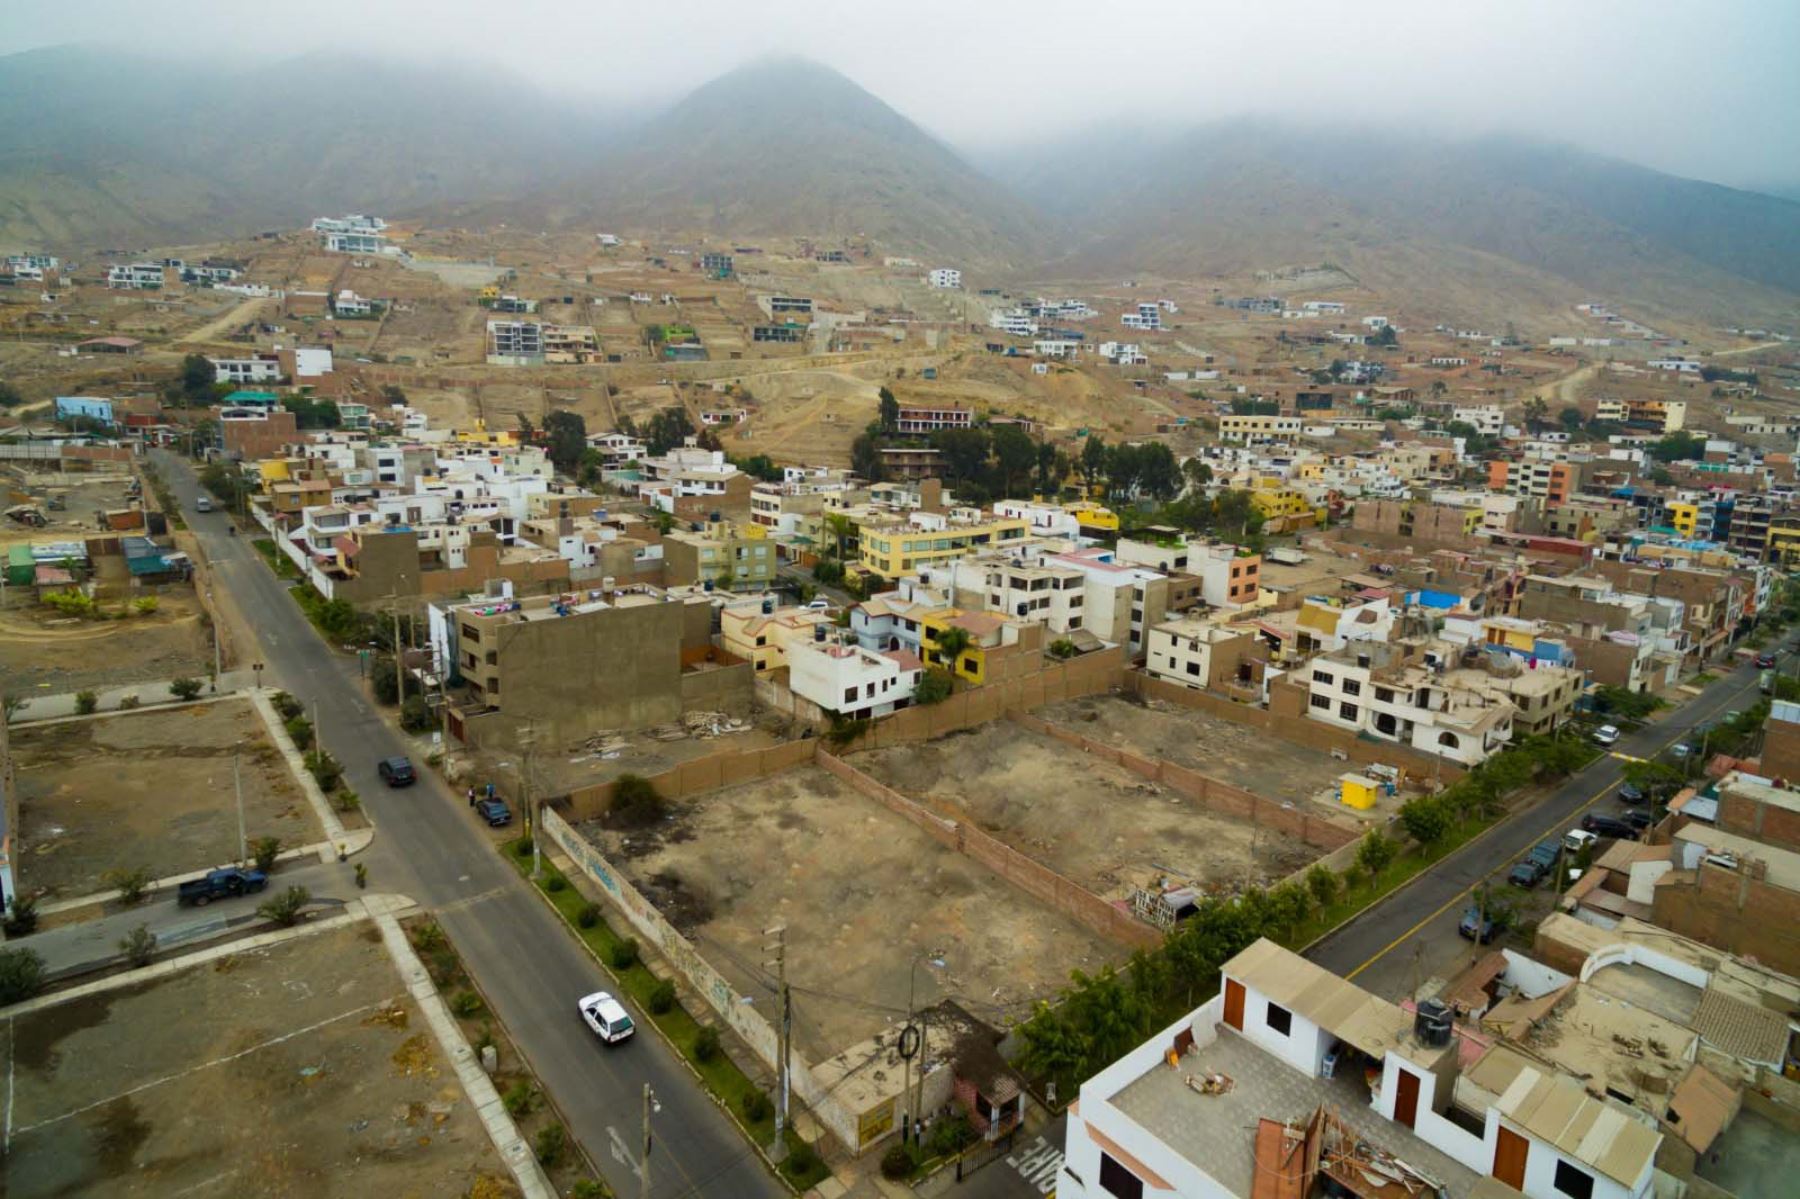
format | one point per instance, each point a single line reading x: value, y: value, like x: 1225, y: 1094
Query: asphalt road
x: 1379, y: 948
x: 429, y: 846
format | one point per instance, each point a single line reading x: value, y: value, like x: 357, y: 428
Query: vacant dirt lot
x: 42, y: 653
x: 82, y: 498
x: 303, y: 1069
x: 1232, y: 753
x: 148, y: 789
x: 1090, y: 821
x: 862, y: 893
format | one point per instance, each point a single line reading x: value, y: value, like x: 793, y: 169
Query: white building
x: 945, y: 276
x: 355, y: 222
x: 1362, y: 687
x: 1123, y: 353
x: 135, y: 276
x: 1014, y: 322
x: 1680, y: 366
x: 1329, y: 307
x: 607, y: 239
x: 1148, y: 316
x: 515, y: 343
x: 1255, y: 429
x: 855, y: 682
x: 1181, y: 651
x: 1056, y: 347
x: 354, y: 243
x: 261, y: 368
x: 1375, y: 322
x: 1488, y: 419
x: 311, y: 361
x: 348, y: 303
x: 1291, y: 1069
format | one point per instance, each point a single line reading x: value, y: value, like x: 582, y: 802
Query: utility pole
x: 237, y: 782
x: 399, y: 660
x: 785, y: 1031
x: 650, y: 1105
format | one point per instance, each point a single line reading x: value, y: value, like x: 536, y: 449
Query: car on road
x: 203, y: 504
x: 1531, y: 869
x: 1477, y: 927
x: 1638, y: 820
x: 1606, y: 734
x: 1765, y: 661
x: 818, y: 605
x: 495, y: 812
x: 1680, y: 750
x: 1629, y: 794
x: 1602, y: 825
x: 397, y: 772
x: 606, y: 1017
x: 228, y: 883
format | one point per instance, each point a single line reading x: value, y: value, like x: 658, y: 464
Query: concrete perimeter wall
x: 1315, y: 830
x: 742, y: 1018
x: 1089, y: 674
x: 1034, y: 878
x: 1299, y: 729
x: 710, y: 773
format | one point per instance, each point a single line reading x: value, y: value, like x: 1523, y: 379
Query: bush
x: 1323, y: 883
x: 519, y: 1098
x: 1061, y: 648
x: 465, y: 1004
x: 624, y: 954
x: 415, y: 715
x: 635, y: 800
x: 285, y: 909
x: 21, y: 974
x: 757, y: 1107
x: 551, y: 1141
x: 72, y: 603
x: 588, y: 916
x: 186, y: 689
x: 138, y: 946
x: 1426, y: 820
x: 706, y: 1044
x: 556, y: 883
x: 21, y: 918
x: 144, y: 605
x: 801, y: 1160
x: 429, y: 937
x: 300, y: 732
x: 934, y: 687
x: 130, y: 884
x: 522, y: 847
x: 86, y: 702
x: 128, y: 702
x: 662, y: 997
x: 947, y: 1136
x: 896, y: 1163
x: 287, y: 705
x: 346, y: 800
x: 587, y: 1188
x: 264, y: 851
x: 325, y: 769
x: 1375, y: 852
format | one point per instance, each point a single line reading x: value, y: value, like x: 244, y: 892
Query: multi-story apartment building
x: 515, y: 343
x: 135, y: 276
x: 1246, y: 429
x: 1230, y: 577
x: 694, y: 483
x: 851, y: 681
x: 898, y: 546
x: 944, y: 276
x: 1388, y: 692
x: 1549, y: 480
x: 1662, y: 416
x: 258, y: 368
x: 762, y: 638
x: 728, y: 556
x: 1197, y: 652
x: 1120, y: 601
x: 916, y: 419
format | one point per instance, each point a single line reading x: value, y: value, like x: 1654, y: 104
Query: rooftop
x: 1554, y: 1108
x: 1781, y: 866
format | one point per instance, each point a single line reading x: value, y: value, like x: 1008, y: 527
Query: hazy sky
x: 1706, y: 88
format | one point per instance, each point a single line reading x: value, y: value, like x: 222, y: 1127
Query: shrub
x: 1375, y: 852
x: 556, y: 883
x: 86, y: 702
x: 128, y: 702
x: 346, y: 800
x: 662, y: 997
x: 588, y: 916
x: 896, y: 1163
x: 287, y: 705
x: 706, y: 1044
x: 285, y: 909
x: 429, y: 936
x: 624, y: 954
x: 185, y: 689
x: 325, y: 769
x: 21, y: 974
x: 465, y: 1004
x: 1323, y: 883
x: 1062, y: 647
x: 522, y: 847
x: 144, y: 605
x: 21, y: 918
x: 934, y: 687
x: 519, y: 1098
x: 300, y: 732
x: 130, y: 884
x: 587, y: 1188
x: 635, y: 800
x: 264, y: 851
x: 757, y: 1107
x: 1426, y: 819
x: 551, y: 1141
x: 415, y: 715
x: 138, y: 946
x: 947, y: 1136
x: 71, y: 603
x: 800, y: 1161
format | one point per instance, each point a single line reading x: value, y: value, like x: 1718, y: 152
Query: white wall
x: 1303, y: 1047
x: 1540, y: 1168
x: 1531, y: 978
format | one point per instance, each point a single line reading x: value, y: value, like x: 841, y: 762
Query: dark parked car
x: 1535, y: 866
x: 397, y: 772
x: 1476, y: 927
x: 495, y: 812
x: 1608, y: 826
x: 220, y: 884
x: 1632, y: 795
x: 1765, y: 661
x: 1638, y: 820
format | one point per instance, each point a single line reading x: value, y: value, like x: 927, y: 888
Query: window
x: 1573, y: 1181
x: 1320, y: 701
x: 849, y: 695
x: 1352, y: 687
x: 1347, y: 711
x: 1194, y: 669
x: 1449, y: 740
x: 1117, y: 1180
x: 1279, y: 1020
x: 1320, y: 676
x: 1385, y: 694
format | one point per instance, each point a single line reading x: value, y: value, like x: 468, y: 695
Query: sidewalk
x: 50, y: 707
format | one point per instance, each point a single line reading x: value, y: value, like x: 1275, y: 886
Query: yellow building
x: 985, y: 630
x: 1506, y: 632
x: 1683, y: 517
x: 482, y: 435
x: 763, y: 639
x: 897, y: 548
x: 1092, y: 517
x: 1358, y: 791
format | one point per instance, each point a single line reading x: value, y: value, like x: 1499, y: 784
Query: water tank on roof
x: 768, y: 606
x: 1431, y: 1023
x: 818, y: 632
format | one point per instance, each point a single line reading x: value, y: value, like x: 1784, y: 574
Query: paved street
x: 1382, y: 948
x: 531, y: 969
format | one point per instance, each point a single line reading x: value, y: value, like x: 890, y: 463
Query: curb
x: 101, y: 898
x: 339, y: 841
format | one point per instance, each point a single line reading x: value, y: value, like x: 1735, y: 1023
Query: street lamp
x: 910, y: 1111
x: 650, y: 1105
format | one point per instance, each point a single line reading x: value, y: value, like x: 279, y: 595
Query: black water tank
x: 1432, y: 1024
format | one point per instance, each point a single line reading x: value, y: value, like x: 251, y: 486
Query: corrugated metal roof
x: 1371, y: 1024
x: 1743, y: 1030
x: 1700, y: 1107
x: 1557, y: 1110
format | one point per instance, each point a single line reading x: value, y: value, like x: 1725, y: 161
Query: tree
x: 865, y: 457
x: 196, y: 380
x: 1322, y: 881
x: 264, y: 851
x: 10, y: 396
x: 285, y: 909
x: 131, y: 884
x: 1093, y: 461
x: 668, y: 429
x: 566, y: 433
x: 1537, y: 413
x: 21, y: 975
x: 889, y: 410
x: 138, y: 946
x: 1680, y: 446
x: 934, y: 686
x: 636, y: 801
x: 1425, y: 820
x: 1570, y: 418
x: 964, y: 451
x: 951, y: 643
x: 1014, y: 456
x: 392, y: 393
x: 1196, y: 474
x: 415, y: 715
x: 840, y: 527
x: 1375, y: 852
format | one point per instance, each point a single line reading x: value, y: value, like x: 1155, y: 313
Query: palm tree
x: 839, y: 526
x: 951, y: 642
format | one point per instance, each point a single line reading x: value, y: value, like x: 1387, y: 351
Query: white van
x: 1576, y: 839
x: 203, y: 504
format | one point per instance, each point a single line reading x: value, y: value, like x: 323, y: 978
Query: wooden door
x: 1406, y: 1098
x: 1234, y: 1003
x: 1509, y: 1158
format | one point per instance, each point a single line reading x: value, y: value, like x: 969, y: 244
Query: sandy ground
x: 148, y: 789
x: 42, y: 653
x: 82, y: 497
x: 560, y: 769
x: 1094, y: 823
x: 303, y: 1069
x: 862, y: 893
x: 1218, y: 748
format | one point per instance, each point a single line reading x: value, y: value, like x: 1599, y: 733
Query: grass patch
x: 1361, y: 892
x: 1703, y: 679
x: 278, y: 561
x: 722, y: 1077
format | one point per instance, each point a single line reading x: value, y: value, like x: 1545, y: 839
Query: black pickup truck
x: 221, y: 884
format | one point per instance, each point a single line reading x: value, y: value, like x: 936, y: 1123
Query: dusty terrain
x: 862, y: 893
x: 1232, y: 753
x: 303, y: 1069
x: 43, y: 653
x: 563, y: 768
x: 1101, y: 826
x: 151, y: 788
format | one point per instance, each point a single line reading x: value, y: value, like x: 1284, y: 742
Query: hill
x: 1415, y: 214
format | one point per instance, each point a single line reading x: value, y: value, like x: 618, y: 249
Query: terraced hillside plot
x: 152, y: 789
x: 1090, y: 821
x: 862, y: 892
x: 300, y: 1069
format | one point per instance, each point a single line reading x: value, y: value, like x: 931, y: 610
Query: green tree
x: 392, y: 393
x: 21, y: 975
x: 636, y: 801
x: 196, y: 380
x: 285, y: 909
x: 264, y: 851
x: 1014, y: 457
x: 1537, y: 413
x: 964, y: 452
x: 1375, y: 852
x: 566, y: 434
x: 1680, y: 446
x: 1093, y: 460
x: 934, y: 686
x: 138, y: 946
x: 1570, y: 419
x: 840, y: 528
x: 1425, y: 820
x: 951, y: 645
x: 185, y: 689
x: 10, y: 396
x: 1322, y: 881
x: 889, y: 410
x: 131, y: 883
x: 865, y: 457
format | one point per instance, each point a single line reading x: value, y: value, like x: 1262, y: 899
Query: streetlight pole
x: 650, y: 1105
x: 778, y: 1150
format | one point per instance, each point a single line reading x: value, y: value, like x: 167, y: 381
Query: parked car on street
x: 397, y: 772
x: 203, y: 503
x: 495, y: 812
x: 1765, y: 661
x: 1638, y: 820
x: 1477, y: 927
x: 1606, y: 734
x: 1680, y: 750
x: 1602, y: 825
x: 606, y: 1017
x: 220, y: 884
x: 1632, y: 795
x: 1535, y: 866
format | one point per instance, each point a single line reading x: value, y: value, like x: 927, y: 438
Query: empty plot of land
x: 44, y: 653
x: 1218, y: 748
x: 1090, y: 821
x: 151, y: 789
x: 301, y: 1069
x: 863, y: 894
